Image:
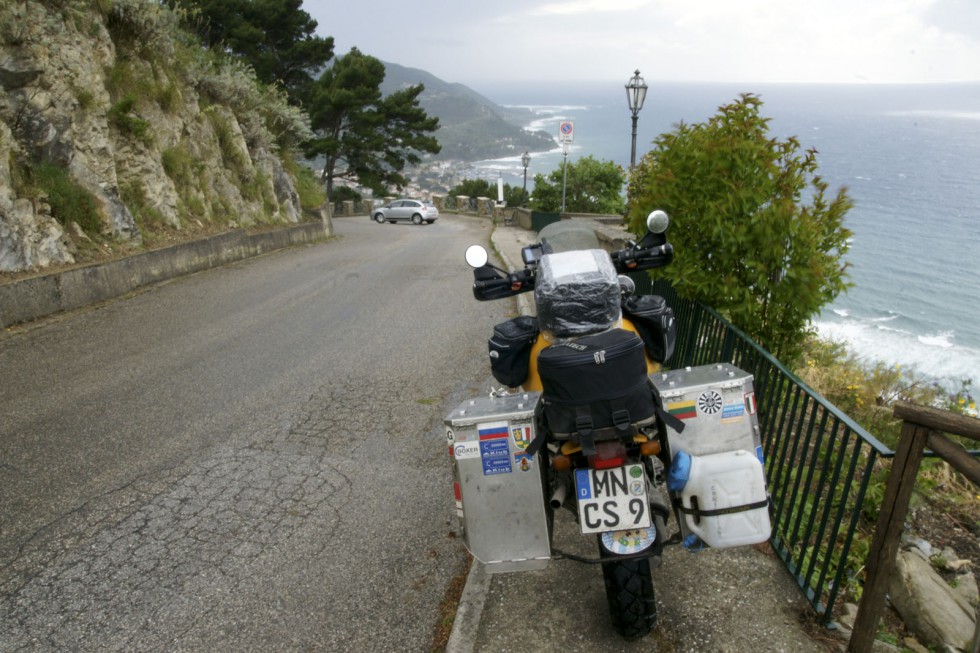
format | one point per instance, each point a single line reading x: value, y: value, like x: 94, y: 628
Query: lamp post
x: 525, y: 159
x: 636, y: 92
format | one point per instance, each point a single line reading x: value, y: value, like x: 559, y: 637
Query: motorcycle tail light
x: 608, y: 455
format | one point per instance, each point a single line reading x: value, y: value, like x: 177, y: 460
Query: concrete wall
x: 30, y: 299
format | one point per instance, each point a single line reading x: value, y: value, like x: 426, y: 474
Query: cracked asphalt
x: 249, y: 459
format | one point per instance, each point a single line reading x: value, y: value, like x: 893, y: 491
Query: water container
x: 680, y: 472
x: 725, y: 485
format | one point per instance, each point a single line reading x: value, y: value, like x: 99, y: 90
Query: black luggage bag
x: 510, y: 349
x: 596, y: 387
x: 655, y: 322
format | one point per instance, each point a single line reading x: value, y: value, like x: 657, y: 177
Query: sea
x: 909, y: 156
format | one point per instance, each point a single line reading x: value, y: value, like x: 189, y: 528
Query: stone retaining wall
x: 36, y: 297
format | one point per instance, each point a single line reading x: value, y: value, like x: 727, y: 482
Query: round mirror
x: 476, y: 256
x: 657, y: 222
x: 626, y: 286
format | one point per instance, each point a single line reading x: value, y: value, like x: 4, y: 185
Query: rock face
x: 133, y: 132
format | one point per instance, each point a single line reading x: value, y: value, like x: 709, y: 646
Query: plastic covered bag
x: 577, y: 293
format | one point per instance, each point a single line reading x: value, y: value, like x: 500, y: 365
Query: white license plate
x: 612, y: 499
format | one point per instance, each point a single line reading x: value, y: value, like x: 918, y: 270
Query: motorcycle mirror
x: 657, y: 222
x: 476, y: 256
x: 626, y: 286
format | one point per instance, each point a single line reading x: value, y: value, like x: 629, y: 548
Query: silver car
x: 417, y: 211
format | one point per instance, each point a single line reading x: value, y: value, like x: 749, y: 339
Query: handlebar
x: 497, y: 286
x: 634, y: 259
x: 489, y: 282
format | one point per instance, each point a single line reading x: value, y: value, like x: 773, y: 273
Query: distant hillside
x: 471, y: 126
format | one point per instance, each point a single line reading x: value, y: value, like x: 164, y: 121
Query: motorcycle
x: 589, y: 422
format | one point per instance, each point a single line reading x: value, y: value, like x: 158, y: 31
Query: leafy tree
x: 755, y: 234
x: 343, y: 193
x: 591, y: 186
x: 361, y: 135
x: 485, y: 188
x: 276, y: 38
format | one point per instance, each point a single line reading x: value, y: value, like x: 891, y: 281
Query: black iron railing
x: 819, y: 462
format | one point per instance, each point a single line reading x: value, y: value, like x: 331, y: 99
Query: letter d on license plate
x: 612, y: 499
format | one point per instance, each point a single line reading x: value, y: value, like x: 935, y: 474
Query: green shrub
x: 180, y: 166
x: 866, y: 391
x: 120, y: 116
x: 308, y: 186
x: 70, y: 202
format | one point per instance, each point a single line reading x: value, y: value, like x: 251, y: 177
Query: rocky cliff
x: 116, y: 129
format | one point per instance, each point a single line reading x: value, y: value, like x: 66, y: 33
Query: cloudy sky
x: 668, y: 40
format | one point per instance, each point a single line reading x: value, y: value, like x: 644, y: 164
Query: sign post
x: 566, y: 135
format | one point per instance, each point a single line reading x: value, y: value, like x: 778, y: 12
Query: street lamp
x: 525, y: 159
x: 636, y: 92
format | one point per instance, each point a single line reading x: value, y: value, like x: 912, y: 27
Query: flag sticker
x: 495, y: 448
x: 683, y: 409
x: 492, y: 430
x: 522, y: 436
x: 750, y: 403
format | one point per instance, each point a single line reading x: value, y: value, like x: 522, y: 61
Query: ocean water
x: 910, y: 158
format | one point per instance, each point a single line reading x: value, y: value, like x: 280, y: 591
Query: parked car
x: 417, y: 211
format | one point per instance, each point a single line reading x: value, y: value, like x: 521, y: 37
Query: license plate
x: 612, y: 499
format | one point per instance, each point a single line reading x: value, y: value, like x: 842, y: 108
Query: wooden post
x: 888, y: 533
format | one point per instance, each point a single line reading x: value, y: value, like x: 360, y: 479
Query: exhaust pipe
x: 558, y: 498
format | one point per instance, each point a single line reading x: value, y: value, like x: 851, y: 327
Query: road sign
x: 566, y: 131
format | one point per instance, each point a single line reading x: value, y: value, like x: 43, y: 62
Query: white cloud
x: 701, y: 40
x: 587, y: 7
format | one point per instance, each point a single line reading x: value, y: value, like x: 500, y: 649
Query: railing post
x: 888, y: 533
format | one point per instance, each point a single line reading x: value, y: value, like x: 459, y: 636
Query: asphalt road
x: 248, y: 459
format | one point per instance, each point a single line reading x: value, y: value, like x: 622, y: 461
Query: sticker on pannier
x: 510, y: 349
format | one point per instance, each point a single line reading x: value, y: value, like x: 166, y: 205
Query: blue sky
x: 668, y: 40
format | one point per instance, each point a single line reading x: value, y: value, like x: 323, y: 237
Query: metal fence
x: 818, y: 460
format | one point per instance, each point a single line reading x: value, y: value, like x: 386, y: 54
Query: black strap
x: 620, y: 414
x: 673, y: 422
x: 539, y: 437
x: 723, y: 511
x: 584, y: 426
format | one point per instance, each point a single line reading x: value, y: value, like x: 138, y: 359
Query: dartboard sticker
x: 709, y: 402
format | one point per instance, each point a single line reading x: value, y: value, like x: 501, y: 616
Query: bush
x: 482, y: 188
x: 70, y: 202
x: 308, y: 186
x: 590, y: 186
x: 120, y: 116
x: 758, y: 235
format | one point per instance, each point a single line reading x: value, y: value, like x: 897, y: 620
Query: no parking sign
x: 566, y: 131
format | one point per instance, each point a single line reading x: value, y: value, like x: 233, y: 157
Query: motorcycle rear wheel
x: 630, y: 594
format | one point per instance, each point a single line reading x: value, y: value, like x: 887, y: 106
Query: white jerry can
x: 723, y: 498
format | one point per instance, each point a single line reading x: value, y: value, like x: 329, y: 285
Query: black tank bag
x: 596, y: 388
x: 510, y: 349
x: 655, y: 322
